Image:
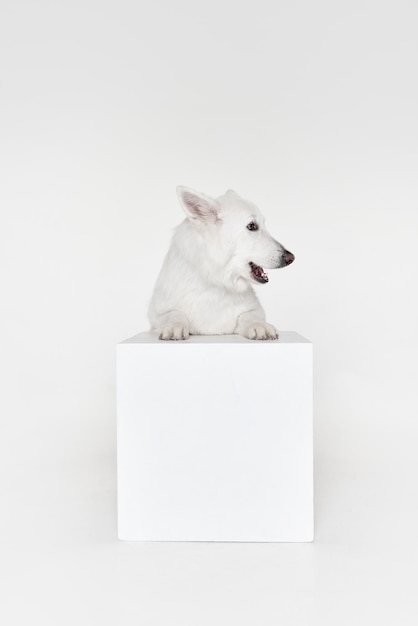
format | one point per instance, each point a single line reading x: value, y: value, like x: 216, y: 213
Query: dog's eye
x: 252, y: 226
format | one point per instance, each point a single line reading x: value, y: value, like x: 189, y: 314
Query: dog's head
x: 234, y: 234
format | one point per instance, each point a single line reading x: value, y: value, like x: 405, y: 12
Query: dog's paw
x: 261, y: 330
x: 174, y: 332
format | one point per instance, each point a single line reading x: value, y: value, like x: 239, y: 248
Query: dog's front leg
x: 173, y: 325
x: 253, y: 326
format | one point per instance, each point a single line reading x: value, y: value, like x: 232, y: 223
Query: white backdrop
x: 307, y: 108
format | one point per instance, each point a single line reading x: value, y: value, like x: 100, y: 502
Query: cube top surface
x: 284, y: 337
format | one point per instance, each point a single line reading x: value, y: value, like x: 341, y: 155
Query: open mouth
x: 258, y: 273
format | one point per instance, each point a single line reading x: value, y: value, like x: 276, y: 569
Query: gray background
x: 310, y: 110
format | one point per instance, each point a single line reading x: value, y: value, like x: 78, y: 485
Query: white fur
x: 205, y: 284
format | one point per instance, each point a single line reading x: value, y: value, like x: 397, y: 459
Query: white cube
x: 215, y: 439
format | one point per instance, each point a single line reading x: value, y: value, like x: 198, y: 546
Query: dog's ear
x: 198, y: 206
x: 231, y: 192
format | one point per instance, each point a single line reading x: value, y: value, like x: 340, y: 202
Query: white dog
x: 205, y: 284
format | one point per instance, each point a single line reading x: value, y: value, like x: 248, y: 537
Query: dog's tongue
x: 258, y: 273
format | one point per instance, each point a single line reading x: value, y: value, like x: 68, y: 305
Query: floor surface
x: 61, y: 562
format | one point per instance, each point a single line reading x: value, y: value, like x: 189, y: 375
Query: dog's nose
x: 288, y: 257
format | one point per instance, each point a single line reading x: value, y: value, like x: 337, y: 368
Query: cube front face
x: 215, y: 439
